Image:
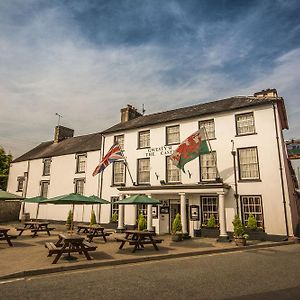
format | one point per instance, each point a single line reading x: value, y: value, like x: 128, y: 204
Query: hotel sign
x: 164, y: 150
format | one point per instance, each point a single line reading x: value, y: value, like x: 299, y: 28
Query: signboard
x: 164, y: 150
x: 293, y: 149
x: 194, y: 212
x: 154, y: 211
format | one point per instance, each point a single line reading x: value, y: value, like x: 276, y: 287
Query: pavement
x: 28, y: 256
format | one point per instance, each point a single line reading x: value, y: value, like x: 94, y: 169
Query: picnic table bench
x: 69, y: 244
x: 139, y: 239
x: 93, y: 231
x: 35, y: 228
x: 7, y: 237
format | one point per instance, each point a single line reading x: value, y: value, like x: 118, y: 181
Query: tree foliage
x: 5, y: 160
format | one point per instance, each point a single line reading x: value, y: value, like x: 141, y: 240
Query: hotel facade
x: 246, y: 172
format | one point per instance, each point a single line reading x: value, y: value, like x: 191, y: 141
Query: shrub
x: 211, y: 223
x: 93, y: 218
x: 142, y: 225
x: 69, y: 219
x: 251, y: 222
x: 176, y: 226
x: 114, y: 218
x: 238, y: 227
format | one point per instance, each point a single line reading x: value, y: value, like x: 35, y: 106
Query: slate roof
x: 233, y: 103
x: 78, y: 144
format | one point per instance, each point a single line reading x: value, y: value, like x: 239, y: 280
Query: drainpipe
x: 24, y: 194
x: 236, y: 195
x: 281, y: 172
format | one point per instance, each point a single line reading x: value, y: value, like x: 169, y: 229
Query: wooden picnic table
x: 5, y: 236
x: 93, y: 231
x: 35, y: 227
x: 139, y: 239
x: 69, y: 244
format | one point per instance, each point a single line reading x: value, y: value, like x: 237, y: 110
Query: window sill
x: 19, y: 191
x: 172, y: 144
x: 80, y: 172
x: 143, y: 184
x: 141, y: 148
x: 249, y: 180
x: 46, y: 175
x: 118, y: 185
x: 246, y: 134
x: 172, y: 183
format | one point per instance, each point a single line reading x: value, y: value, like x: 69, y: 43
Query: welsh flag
x: 190, y: 148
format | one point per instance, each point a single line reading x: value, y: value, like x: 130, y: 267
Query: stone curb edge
x: 115, y: 262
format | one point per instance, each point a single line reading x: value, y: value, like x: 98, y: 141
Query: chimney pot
x: 129, y: 113
x: 266, y: 93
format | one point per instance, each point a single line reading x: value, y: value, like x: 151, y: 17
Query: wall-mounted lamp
x: 156, y: 175
x: 162, y: 182
x: 190, y: 174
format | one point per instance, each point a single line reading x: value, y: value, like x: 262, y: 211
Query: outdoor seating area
x: 35, y: 227
x: 45, y: 251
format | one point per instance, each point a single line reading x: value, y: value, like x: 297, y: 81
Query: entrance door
x: 174, y: 210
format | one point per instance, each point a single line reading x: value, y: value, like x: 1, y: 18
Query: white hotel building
x: 247, y: 171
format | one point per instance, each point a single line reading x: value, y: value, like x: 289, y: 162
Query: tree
x: 5, y: 160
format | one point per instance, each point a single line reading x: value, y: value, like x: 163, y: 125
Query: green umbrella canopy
x: 138, y: 199
x: 99, y: 200
x: 37, y: 199
x: 8, y: 196
x: 72, y: 198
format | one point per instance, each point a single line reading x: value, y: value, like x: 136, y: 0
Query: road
x: 272, y: 273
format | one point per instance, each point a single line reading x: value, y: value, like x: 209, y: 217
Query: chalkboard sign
x: 194, y: 212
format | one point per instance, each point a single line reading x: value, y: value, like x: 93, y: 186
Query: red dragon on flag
x: 190, y: 148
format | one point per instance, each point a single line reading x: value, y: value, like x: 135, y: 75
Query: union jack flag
x: 112, y: 155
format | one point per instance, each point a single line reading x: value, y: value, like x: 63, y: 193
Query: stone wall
x: 9, y: 210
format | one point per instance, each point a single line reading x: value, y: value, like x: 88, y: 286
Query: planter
x: 240, y: 241
x: 257, y: 234
x: 197, y: 232
x: 177, y: 237
x: 210, y: 232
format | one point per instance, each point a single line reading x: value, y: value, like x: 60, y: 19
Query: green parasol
x: 138, y: 199
x: 8, y: 196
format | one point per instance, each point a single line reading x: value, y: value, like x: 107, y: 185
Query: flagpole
x: 126, y: 165
x: 100, y: 178
x: 214, y: 158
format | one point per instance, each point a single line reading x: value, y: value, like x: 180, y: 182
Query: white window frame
x: 144, y: 139
x: 245, y: 124
x: 143, y: 171
x: 79, y: 185
x: 173, y: 174
x: 80, y: 163
x: 44, y: 188
x: 119, y: 139
x: 118, y: 172
x: 209, y: 126
x: 248, y: 163
x: 209, y: 206
x: 20, y: 183
x: 46, y: 166
x: 208, y: 166
x: 252, y: 204
x: 172, y: 136
x: 114, y: 206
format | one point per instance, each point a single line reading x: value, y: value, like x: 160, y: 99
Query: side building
x: 61, y: 166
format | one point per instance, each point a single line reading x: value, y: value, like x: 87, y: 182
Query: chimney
x: 128, y: 113
x: 266, y: 93
x: 62, y: 133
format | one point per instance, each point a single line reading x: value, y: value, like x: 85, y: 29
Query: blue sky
x: 87, y: 59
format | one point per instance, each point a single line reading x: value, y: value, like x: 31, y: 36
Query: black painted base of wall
x: 223, y: 239
x: 210, y: 232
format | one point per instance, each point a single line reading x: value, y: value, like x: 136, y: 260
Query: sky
x: 87, y: 59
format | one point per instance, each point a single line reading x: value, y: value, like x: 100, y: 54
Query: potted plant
x: 211, y: 229
x: 93, y: 218
x: 142, y: 224
x: 69, y: 220
x: 254, y: 232
x: 240, y: 237
x: 177, y: 229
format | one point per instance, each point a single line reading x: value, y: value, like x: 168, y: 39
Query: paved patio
x: 30, y: 256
